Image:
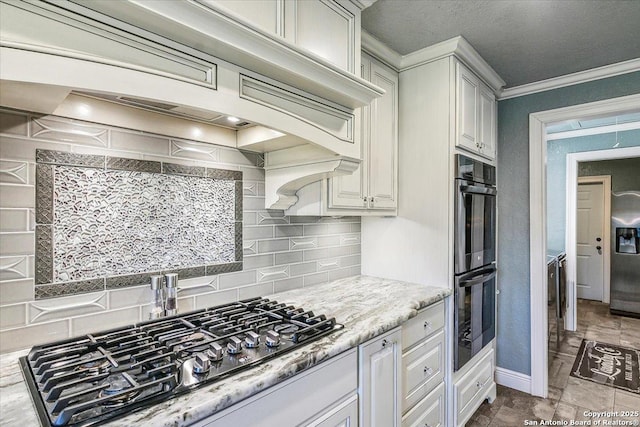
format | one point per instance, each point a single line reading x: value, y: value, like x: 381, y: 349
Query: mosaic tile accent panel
x: 110, y: 222
x: 116, y: 221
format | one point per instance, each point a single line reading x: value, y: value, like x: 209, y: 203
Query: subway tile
x: 240, y: 278
x: 17, y: 196
x: 250, y: 247
x: 250, y: 188
x: 261, y: 189
x: 273, y: 273
x: 349, y: 261
x: 25, y: 149
x: 271, y: 217
x: 253, y: 203
x: 288, y: 284
x: 276, y: 245
x: 324, y: 241
x: 185, y: 305
x: 257, y: 261
x: 140, y: 142
x: 249, y: 218
x: 26, y: 337
x: 354, y: 249
x: 356, y: 228
x: 205, y: 288
x: 68, y: 288
x: 305, y: 219
x: 288, y: 230
x: 343, y: 272
x: 65, y: 307
x: 349, y: 239
x: 55, y: 157
x: 14, y: 123
x: 216, y: 298
x: 253, y: 233
x: 14, y: 291
x: 252, y: 174
x: 32, y: 219
x: 288, y: 257
x: 339, y: 251
x: 315, y: 229
x: 315, y: 254
x: 12, y: 244
x: 328, y: 264
x: 339, y: 228
x: 240, y: 157
x: 12, y: 316
x: 188, y: 273
x: 303, y: 268
x: 138, y: 295
x: 14, y: 267
x: 13, y: 172
x: 102, y: 321
x: 254, y: 291
x: 64, y: 130
x: 316, y: 279
x: 304, y: 242
x: 195, y: 150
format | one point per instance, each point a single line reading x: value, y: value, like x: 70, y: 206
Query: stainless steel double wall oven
x: 474, y: 257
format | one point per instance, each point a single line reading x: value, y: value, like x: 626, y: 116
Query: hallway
x: 569, y: 398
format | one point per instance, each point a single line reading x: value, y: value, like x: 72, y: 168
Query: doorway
x: 591, y: 238
x: 538, y: 226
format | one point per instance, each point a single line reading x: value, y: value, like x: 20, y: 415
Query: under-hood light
x: 233, y: 119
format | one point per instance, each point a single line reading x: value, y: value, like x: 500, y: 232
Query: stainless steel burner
x: 97, y: 366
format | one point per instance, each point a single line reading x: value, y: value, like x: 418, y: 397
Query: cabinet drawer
x: 343, y: 415
x: 429, y: 412
x: 474, y: 384
x: 424, y: 324
x: 422, y: 369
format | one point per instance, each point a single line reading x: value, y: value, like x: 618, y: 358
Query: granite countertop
x: 366, y: 306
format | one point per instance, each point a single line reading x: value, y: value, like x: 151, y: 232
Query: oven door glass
x: 474, y: 313
x: 475, y: 226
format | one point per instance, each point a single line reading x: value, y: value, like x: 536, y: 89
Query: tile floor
x: 570, y: 398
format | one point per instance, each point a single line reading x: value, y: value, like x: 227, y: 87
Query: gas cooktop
x: 94, y: 378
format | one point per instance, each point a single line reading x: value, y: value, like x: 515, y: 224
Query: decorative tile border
x: 47, y: 160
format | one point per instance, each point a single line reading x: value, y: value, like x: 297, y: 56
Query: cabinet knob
x: 384, y: 343
x: 427, y: 326
x: 371, y: 200
x: 479, y: 384
x: 428, y: 371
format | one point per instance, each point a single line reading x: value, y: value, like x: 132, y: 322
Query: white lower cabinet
x: 429, y: 412
x: 343, y: 415
x: 380, y: 380
x: 309, y: 395
x: 476, y: 385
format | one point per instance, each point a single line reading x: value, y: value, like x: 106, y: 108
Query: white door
x: 590, y: 241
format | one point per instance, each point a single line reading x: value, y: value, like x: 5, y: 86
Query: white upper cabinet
x: 374, y: 185
x: 475, y: 114
x: 263, y: 14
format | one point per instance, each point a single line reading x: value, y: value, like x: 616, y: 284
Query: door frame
x: 571, y: 235
x: 538, y: 221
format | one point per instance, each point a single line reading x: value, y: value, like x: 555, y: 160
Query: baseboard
x: 513, y: 379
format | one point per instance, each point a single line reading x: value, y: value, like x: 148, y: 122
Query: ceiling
x: 523, y: 40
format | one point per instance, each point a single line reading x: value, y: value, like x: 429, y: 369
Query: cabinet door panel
x: 466, y: 108
x: 487, y: 123
x: 380, y: 386
x: 264, y: 14
x: 325, y: 28
x: 383, y: 145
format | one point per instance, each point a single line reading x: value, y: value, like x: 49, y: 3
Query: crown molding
x: 380, y: 51
x: 603, y: 72
x: 363, y: 4
x: 456, y: 46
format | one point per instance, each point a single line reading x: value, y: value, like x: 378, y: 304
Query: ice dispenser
x: 627, y: 240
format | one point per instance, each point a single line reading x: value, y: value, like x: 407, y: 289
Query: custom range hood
x: 191, y: 62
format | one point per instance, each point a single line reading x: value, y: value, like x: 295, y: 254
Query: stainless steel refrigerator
x: 625, y: 253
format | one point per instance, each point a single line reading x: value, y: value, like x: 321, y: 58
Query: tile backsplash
x: 114, y: 217
x: 280, y: 252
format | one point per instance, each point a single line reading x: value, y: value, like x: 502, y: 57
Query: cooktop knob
x: 234, y: 346
x: 215, y: 352
x: 201, y: 363
x: 273, y: 339
x: 252, y: 340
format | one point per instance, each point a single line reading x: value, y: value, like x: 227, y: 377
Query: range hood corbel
x: 282, y: 182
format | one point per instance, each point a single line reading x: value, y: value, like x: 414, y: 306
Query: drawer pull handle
x: 479, y: 384
x: 428, y: 371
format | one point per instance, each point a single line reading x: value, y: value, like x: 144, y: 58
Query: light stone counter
x: 366, y: 306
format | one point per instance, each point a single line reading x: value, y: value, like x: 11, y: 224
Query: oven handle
x: 474, y: 279
x: 475, y: 189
